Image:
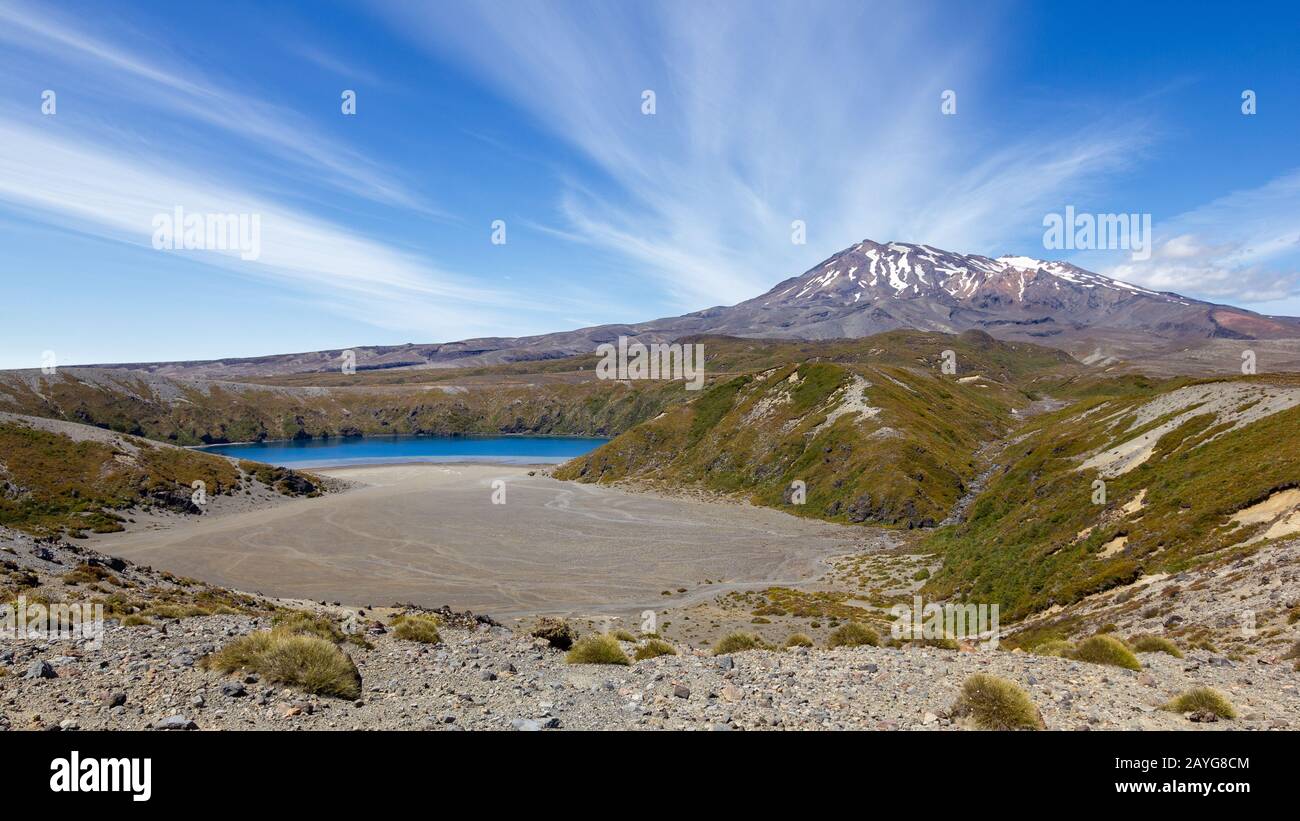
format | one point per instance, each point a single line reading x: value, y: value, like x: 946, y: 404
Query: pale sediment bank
x: 435, y: 534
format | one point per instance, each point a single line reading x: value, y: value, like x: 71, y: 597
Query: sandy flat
x: 430, y: 534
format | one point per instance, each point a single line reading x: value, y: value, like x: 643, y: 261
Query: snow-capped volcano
x: 872, y: 287
x: 865, y: 289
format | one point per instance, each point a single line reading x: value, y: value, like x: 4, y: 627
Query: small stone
x: 725, y: 662
x: 526, y: 725
x: 40, y: 669
x: 176, y: 722
x: 115, y: 700
x: 681, y: 691
x: 233, y: 689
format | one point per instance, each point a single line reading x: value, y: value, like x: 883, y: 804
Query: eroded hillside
x: 60, y: 477
x: 1132, y: 480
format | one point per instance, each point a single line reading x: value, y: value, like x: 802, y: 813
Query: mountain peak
x: 870, y: 271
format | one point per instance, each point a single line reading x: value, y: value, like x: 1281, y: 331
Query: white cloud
x: 1243, y: 247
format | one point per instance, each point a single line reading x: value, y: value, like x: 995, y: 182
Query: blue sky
x: 376, y: 228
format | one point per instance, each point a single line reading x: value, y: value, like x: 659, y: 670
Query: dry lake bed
x: 432, y: 535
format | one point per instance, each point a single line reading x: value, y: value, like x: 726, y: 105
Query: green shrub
x: 996, y: 704
x: 1202, y: 700
x: 654, y: 648
x: 853, y: 635
x: 1154, y: 644
x: 423, y: 629
x: 1106, y: 649
x: 310, y: 663
x: 798, y: 640
x: 737, y: 643
x: 601, y: 649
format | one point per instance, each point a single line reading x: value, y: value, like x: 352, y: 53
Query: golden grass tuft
x: 310, y: 663
x: 1202, y: 700
x: 1106, y: 649
x: 137, y: 620
x: 622, y: 635
x: 853, y: 635
x: 737, y: 643
x: 798, y: 640
x: 599, y: 649
x: 653, y: 648
x: 421, y: 628
x: 994, y: 703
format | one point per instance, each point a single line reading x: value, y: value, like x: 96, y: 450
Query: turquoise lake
x: 374, y: 450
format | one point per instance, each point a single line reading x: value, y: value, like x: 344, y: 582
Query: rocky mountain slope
x: 866, y: 289
x: 873, y: 437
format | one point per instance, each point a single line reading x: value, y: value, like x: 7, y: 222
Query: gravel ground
x: 492, y: 679
x: 486, y: 676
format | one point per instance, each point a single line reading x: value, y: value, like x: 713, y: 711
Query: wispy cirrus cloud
x: 114, y: 195
x: 186, y: 92
x: 767, y: 114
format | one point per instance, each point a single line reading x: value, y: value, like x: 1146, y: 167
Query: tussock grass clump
x: 137, y: 620
x: 1053, y: 647
x: 600, y: 649
x: 1202, y: 700
x: 997, y: 704
x: 421, y: 628
x: 622, y: 635
x: 1108, y: 650
x: 556, y: 632
x: 1154, y: 644
x: 853, y: 635
x: 798, y: 640
x: 653, y: 648
x: 302, y: 623
x: 176, y: 611
x: 310, y: 663
x: 737, y: 643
